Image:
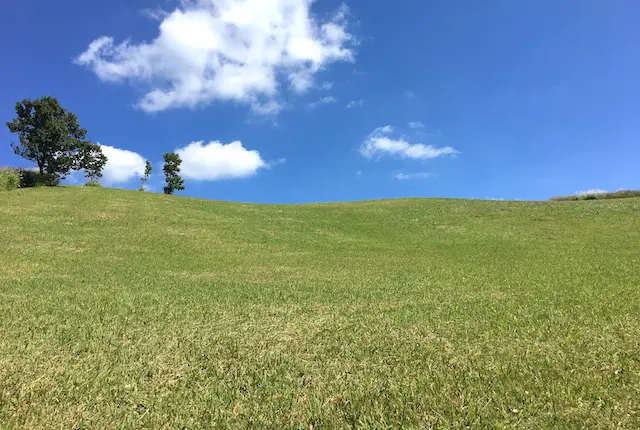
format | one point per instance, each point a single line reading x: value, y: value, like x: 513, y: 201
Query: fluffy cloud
x: 322, y: 101
x: 416, y: 124
x: 402, y: 176
x: 215, y: 161
x: 380, y: 143
x: 122, y: 165
x: 355, y: 104
x: 239, y: 50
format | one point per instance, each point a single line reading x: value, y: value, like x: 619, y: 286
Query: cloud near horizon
x: 122, y: 165
x: 228, y: 50
x: 217, y: 161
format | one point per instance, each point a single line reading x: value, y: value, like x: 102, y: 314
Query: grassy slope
x: 146, y: 311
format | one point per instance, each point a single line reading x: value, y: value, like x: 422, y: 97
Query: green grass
x: 136, y: 310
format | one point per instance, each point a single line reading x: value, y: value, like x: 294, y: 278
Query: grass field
x: 124, y: 309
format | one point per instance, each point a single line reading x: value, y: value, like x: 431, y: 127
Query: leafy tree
x: 147, y: 175
x: 92, y: 160
x: 171, y: 169
x: 52, y: 137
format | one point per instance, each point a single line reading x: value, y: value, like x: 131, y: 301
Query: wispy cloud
x: 380, y: 142
x: 326, y: 85
x: 154, y: 14
x: 323, y: 101
x: 416, y: 125
x: 403, y: 176
x: 355, y: 104
x: 410, y: 95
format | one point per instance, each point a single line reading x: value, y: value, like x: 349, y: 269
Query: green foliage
x: 93, y: 183
x: 51, y: 137
x: 92, y: 160
x: 32, y: 178
x: 9, y: 179
x: 620, y: 194
x: 29, y: 178
x: 147, y: 174
x: 131, y: 310
x: 171, y: 170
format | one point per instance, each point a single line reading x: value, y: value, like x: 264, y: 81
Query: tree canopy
x: 51, y: 136
x: 171, y: 170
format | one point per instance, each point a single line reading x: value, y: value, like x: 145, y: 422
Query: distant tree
x: 171, y: 169
x: 147, y: 175
x: 52, y: 138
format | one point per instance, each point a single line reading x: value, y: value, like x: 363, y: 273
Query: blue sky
x: 287, y: 101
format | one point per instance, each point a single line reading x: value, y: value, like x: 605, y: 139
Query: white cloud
x: 238, y: 50
x: 215, y: 161
x: 154, y: 14
x: 122, y: 165
x: 326, y: 85
x: 593, y: 192
x: 379, y: 143
x: 355, y: 104
x: 276, y: 162
x: 322, y: 101
x: 416, y: 124
x: 387, y: 129
x: 270, y: 107
x: 402, y: 176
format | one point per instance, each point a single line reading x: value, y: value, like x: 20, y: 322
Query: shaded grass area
x: 598, y: 195
x: 148, y: 311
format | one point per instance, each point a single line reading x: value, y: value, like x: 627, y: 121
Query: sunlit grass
x: 135, y: 310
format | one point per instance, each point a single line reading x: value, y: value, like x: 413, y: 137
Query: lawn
x: 121, y: 309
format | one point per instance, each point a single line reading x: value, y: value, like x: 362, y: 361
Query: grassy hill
x: 137, y: 310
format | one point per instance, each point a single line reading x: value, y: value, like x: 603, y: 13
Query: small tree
x: 52, y: 138
x: 171, y: 169
x: 92, y: 160
x: 147, y: 175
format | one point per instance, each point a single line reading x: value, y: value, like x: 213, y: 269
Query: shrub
x: 32, y: 178
x: 600, y: 195
x: 93, y: 183
x: 28, y: 178
x: 9, y: 179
